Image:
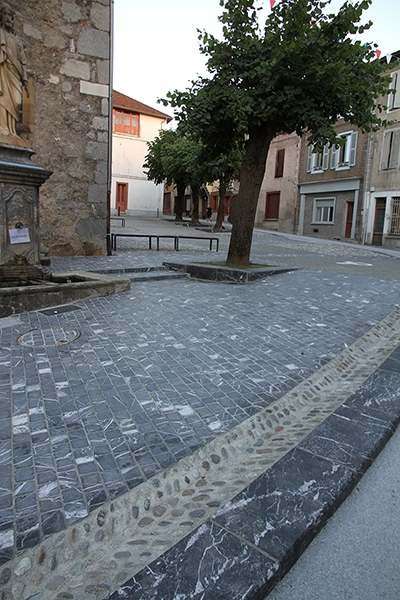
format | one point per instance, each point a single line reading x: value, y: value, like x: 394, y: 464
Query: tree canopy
x: 300, y: 72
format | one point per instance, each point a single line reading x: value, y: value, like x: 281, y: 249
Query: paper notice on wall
x: 19, y: 236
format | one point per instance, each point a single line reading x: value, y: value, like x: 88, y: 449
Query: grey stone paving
x: 99, y: 399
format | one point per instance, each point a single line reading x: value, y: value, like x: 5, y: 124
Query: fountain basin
x: 62, y: 288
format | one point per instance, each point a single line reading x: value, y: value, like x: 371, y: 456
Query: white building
x: 134, y: 124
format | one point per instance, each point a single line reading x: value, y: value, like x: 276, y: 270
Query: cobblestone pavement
x: 112, y: 405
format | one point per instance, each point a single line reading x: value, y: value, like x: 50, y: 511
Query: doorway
x: 121, y: 203
x: 349, y: 219
x: 380, y: 209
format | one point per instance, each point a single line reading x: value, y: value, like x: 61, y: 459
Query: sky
x: 156, y: 47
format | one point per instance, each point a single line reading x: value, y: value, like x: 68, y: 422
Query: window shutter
x: 394, y: 99
x: 280, y: 160
x: 394, y: 155
x: 387, y: 142
x: 309, y: 159
x: 334, y: 157
x: 353, y: 148
x: 325, y: 158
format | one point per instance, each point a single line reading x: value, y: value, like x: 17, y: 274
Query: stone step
x: 157, y: 276
x: 146, y: 273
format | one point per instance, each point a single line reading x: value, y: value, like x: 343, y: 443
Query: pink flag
x: 378, y: 53
x: 272, y: 2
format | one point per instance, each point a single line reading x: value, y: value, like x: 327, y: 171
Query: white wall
x: 144, y: 197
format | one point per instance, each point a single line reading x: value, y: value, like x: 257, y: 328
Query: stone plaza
x: 188, y: 439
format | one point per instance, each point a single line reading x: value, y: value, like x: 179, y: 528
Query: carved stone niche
x: 20, y: 180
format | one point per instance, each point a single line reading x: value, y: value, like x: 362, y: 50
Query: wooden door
x: 349, y: 219
x: 380, y: 210
x: 167, y: 203
x: 272, y: 205
x: 121, y: 203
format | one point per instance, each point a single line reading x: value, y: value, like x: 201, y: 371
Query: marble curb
x: 225, y: 274
x: 247, y: 547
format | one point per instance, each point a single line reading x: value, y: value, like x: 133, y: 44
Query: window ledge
x: 321, y: 223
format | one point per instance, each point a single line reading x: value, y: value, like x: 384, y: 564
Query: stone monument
x: 20, y: 179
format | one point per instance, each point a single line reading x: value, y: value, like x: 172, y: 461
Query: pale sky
x: 156, y: 42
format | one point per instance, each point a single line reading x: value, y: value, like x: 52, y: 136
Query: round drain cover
x: 42, y: 338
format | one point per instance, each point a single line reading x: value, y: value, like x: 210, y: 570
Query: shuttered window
x: 324, y: 210
x: 317, y: 161
x: 125, y: 122
x: 344, y: 156
x: 391, y: 150
x: 394, y: 97
x: 280, y: 160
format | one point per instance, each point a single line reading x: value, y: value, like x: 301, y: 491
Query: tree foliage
x: 300, y: 72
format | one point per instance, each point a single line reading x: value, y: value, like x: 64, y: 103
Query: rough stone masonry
x: 66, y: 117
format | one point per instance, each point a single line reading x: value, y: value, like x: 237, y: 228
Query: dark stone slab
x: 209, y: 563
x: 381, y: 391
x: 283, y: 510
x: 393, y: 362
x: 226, y: 274
x: 351, y: 437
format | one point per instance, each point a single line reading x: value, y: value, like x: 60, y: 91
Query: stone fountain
x: 25, y: 284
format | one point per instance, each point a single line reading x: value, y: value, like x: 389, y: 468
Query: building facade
x: 278, y: 195
x: 134, y: 125
x: 331, y: 186
x: 382, y: 197
x: 66, y: 117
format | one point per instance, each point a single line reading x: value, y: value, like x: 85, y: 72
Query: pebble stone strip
x: 99, y: 553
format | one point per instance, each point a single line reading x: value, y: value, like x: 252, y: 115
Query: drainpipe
x: 110, y: 114
x: 366, y: 204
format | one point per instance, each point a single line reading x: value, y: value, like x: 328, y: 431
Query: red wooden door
x: 122, y: 197
x: 349, y: 219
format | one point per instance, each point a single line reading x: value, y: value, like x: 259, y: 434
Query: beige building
x: 66, y: 117
x: 277, y: 201
x: 331, y: 185
x: 382, y: 197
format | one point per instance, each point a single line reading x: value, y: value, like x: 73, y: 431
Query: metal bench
x: 118, y: 219
x: 196, y: 237
x: 176, y: 238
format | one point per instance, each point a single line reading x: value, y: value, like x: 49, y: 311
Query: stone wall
x: 66, y: 117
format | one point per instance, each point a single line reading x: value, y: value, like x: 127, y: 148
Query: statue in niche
x: 13, y: 75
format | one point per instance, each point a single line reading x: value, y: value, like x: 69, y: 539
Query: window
x: 395, y: 217
x: 344, y: 156
x: 391, y: 150
x: 394, y: 97
x: 272, y: 205
x: 317, y: 161
x: 324, y: 210
x: 280, y: 160
x: 125, y: 122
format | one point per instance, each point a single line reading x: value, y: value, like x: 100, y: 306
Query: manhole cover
x: 43, y: 338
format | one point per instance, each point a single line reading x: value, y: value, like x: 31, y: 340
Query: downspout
x: 366, y: 204
x: 110, y: 114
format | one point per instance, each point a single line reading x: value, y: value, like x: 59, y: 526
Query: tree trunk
x: 195, y: 211
x: 251, y: 177
x: 221, y: 205
x: 180, y: 199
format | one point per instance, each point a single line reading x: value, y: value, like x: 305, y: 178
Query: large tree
x: 300, y: 73
x: 173, y: 158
